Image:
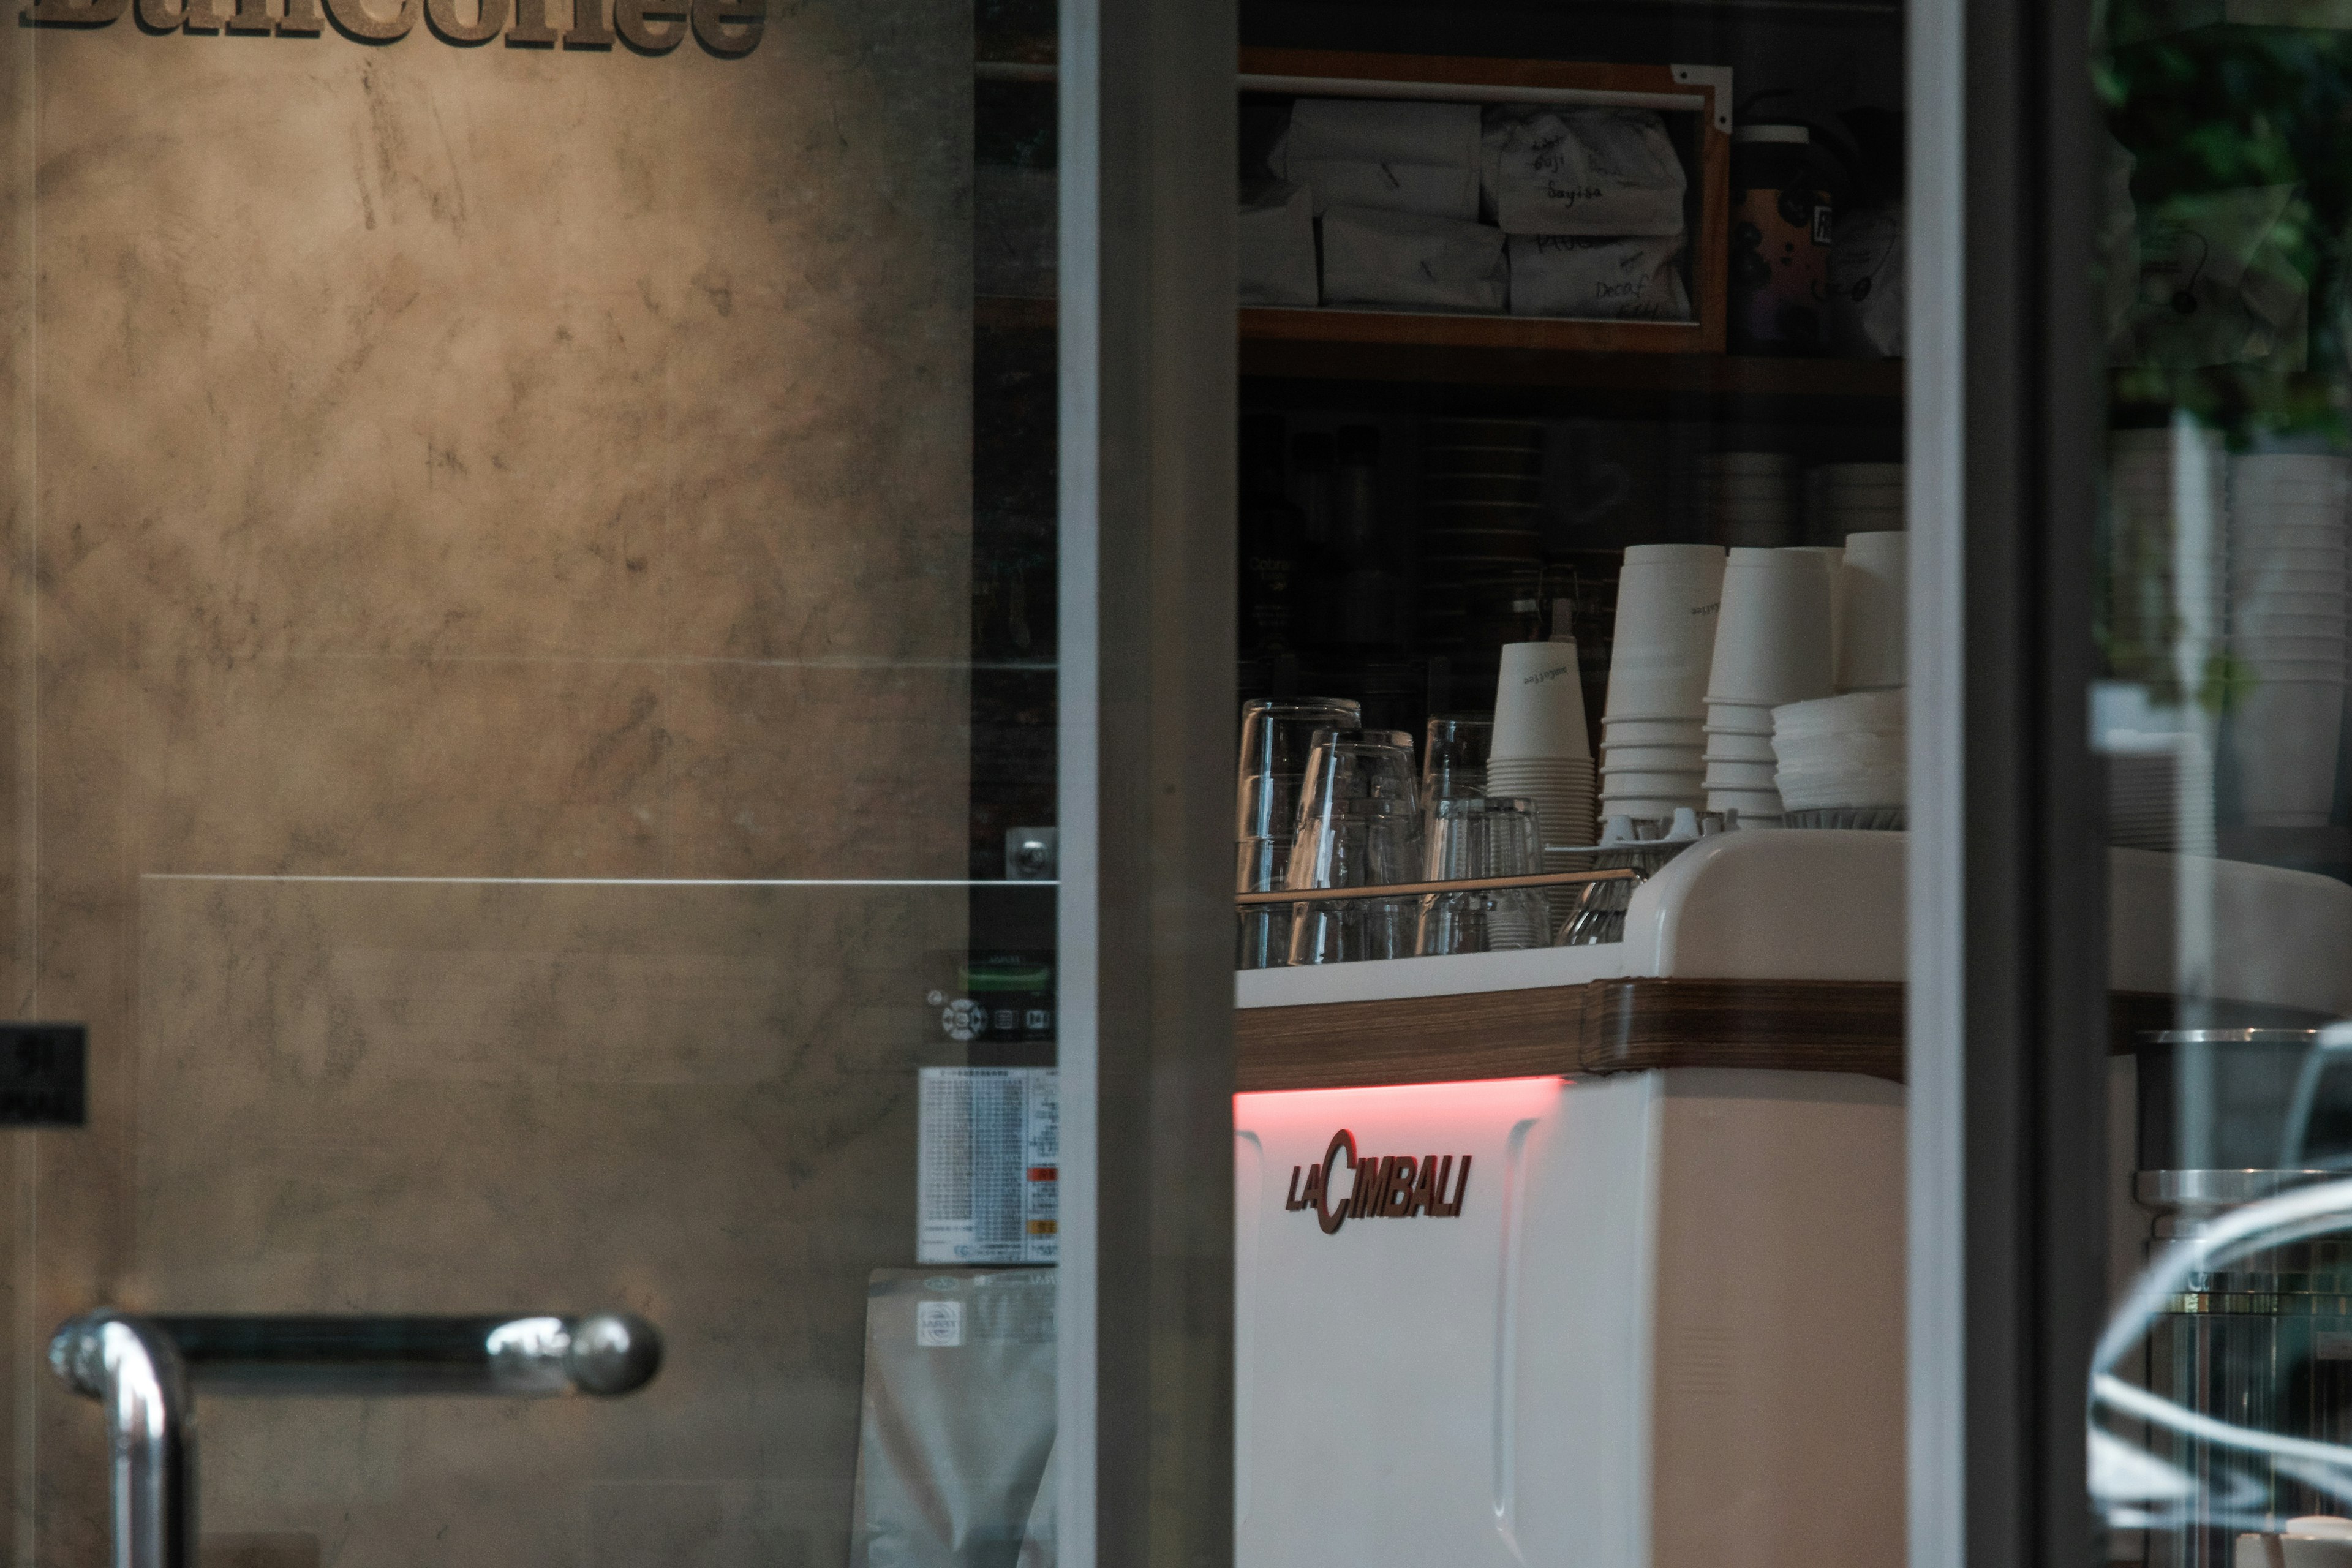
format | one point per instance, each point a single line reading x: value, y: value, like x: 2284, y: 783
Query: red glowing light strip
x: 1511, y: 1092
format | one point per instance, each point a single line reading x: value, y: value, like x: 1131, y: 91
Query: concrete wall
x: 484, y: 466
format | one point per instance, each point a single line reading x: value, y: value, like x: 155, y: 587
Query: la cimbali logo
x: 1387, y: 1187
x: 647, y: 26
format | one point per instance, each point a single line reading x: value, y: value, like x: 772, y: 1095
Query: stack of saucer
x: 1481, y: 519
x: 1855, y: 498
x: 1652, y: 763
x: 2291, y: 630
x: 1774, y: 646
x: 1746, y: 497
x: 1540, y: 752
x: 1841, y: 751
x: 2162, y: 799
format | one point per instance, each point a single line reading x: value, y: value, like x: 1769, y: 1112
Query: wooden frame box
x: 1702, y: 92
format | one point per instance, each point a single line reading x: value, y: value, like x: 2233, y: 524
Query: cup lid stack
x: 1841, y: 751
x: 1652, y: 745
x: 1481, y: 520
x: 2290, y: 631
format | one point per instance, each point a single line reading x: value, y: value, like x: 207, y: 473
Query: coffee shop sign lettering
x: 645, y: 26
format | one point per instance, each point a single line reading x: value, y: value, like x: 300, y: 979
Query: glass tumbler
x: 1482, y: 837
x: 1278, y: 733
x: 1278, y: 736
x: 1453, y: 756
x: 1359, y: 826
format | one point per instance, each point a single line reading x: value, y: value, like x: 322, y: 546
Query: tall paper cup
x: 2283, y: 738
x: 1870, y: 651
x: 1772, y: 644
x: 1667, y: 596
x: 1539, y: 703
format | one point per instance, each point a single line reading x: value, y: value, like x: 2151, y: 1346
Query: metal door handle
x: 144, y: 1368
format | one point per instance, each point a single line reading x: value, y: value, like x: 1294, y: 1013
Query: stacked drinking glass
x: 1359, y: 826
x: 1652, y: 744
x: 2288, y: 628
x: 1277, y: 735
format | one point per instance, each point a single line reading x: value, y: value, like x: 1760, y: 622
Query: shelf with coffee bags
x: 1485, y: 203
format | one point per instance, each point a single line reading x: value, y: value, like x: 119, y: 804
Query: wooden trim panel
x: 1633, y: 1025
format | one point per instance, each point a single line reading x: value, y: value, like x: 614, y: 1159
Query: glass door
x: 2130, y: 1203
x: 531, y: 673
x: 2219, y: 1386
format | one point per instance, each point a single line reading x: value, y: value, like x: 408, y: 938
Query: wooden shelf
x: 1413, y: 354
x: 1416, y: 351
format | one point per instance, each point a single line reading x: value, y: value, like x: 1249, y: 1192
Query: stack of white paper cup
x: 1542, y: 753
x: 1871, y: 593
x: 1773, y: 646
x: 1651, y: 742
x: 1855, y: 498
x: 1841, y: 751
x: 2291, y: 632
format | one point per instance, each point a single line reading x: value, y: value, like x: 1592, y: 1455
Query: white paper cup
x: 1653, y: 759
x: 1539, y: 703
x: 2283, y: 738
x: 1773, y: 644
x: 2270, y: 623
x: 2293, y: 602
x: 1649, y: 732
x: 2292, y: 649
x: 1630, y: 782
x: 1667, y: 600
x: 2312, y: 558
x: 1738, y: 718
x: 1650, y: 810
x: 1740, y: 775
x: 1735, y: 745
x: 1872, y: 584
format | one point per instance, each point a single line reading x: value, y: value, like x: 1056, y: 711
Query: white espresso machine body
x: 1664, y: 1326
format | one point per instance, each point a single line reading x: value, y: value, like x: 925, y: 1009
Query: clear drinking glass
x: 1482, y: 837
x: 1453, y: 756
x: 1277, y: 735
x: 1359, y: 826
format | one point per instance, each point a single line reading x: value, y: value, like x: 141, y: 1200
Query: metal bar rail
x: 145, y: 1371
x: 1414, y: 890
